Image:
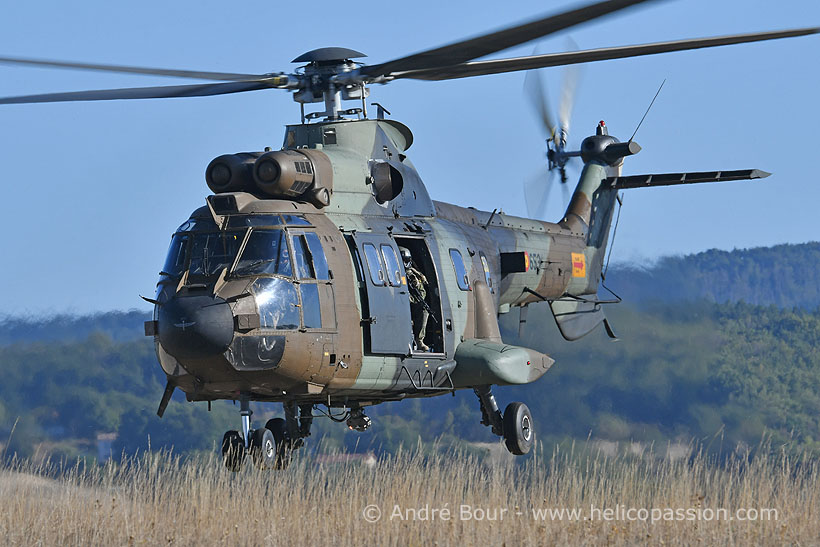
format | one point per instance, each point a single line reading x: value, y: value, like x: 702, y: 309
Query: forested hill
x: 681, y: 371
x: 785, y: 276
x: 119, y: 325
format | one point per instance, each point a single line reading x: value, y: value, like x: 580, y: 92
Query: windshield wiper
x: 254, y: 264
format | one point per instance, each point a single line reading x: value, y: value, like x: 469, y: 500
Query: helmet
x: 405, y: 255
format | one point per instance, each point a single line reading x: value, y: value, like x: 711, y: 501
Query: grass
x: 166, y: 499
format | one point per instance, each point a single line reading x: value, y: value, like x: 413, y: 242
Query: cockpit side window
x: 278, y: 303
x: 265, y: 253
x: 374, y: 263
x: 311, y: 307
x: 318, y: 254
x: 175, y: 262
x: 302, y: 263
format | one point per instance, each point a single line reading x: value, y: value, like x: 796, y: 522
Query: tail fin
x: 590, y: 213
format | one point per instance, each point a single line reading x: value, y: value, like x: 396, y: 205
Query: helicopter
x: 292, y: 283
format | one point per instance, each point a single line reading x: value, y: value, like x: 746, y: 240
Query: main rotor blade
x: 486, y: 44
x: 161, y: 92
x: 498, y: 66
x: 196, y: 74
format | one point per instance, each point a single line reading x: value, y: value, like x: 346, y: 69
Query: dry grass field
x: 448, y: 498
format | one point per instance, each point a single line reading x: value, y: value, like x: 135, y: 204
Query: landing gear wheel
x: 279, y: 429
x: 263, y: 448
x: 518, y: 432
x: 233, y: 450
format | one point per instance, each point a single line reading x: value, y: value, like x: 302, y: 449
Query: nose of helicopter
x: 195, y: 326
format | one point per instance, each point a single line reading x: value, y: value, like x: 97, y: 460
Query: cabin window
x: 374, y: 263
x: 278, y: 303
x: 318, y: 255
x: 265, y: 253
x: 487, y: 277
x: 461, y: 272
x: 391, y: 262
x: 311, y: 310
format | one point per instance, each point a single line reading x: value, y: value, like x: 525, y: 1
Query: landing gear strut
x: 270, y: 447
x: 515, y: 425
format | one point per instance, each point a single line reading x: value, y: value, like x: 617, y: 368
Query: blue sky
x: 92, y: 191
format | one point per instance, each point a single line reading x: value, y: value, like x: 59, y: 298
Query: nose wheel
x: 263, y: 448
x: 270, y: 447
x: 233, y: 450
x: 282, y: 446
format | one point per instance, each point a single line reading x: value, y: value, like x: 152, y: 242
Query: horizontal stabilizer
x: 576, y: 318
x: 670, y: 179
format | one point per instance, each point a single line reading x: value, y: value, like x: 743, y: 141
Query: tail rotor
x: 537, y: 188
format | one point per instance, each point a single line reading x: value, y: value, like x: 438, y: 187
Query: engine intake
x: 283, y: 173
x: 292, y: 174
x: 231, y: 172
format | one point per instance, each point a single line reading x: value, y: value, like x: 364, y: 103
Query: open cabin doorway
x: 434, y: 333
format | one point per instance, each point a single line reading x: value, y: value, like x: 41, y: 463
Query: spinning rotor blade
x: 537, y: 94
x: 498, y: 66
x: 496, y: 41
x: 536, y: 193
x: 565, y: 193
x: 196, y: 74
x: 161, y: 92
x: 569, y: 90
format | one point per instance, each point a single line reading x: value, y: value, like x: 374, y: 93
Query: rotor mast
x: 330, y: 76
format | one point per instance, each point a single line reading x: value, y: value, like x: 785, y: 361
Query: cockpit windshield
x: 265, y: 253
x: 211, y: 252
x: 199, y: 247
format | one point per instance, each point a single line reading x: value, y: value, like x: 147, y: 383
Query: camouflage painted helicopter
x: 306, y: 276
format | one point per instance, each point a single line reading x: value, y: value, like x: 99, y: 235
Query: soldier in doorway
x: 417, y: 287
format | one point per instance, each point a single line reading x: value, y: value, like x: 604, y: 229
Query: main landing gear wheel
x: 518, y: 432
x: 279, y: 429
x: 233, y: 450
x: 263, y: 448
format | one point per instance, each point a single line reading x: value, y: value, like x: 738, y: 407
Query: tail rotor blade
x: 565, y: 192
x: 569, y: 90
x: 537, y: 95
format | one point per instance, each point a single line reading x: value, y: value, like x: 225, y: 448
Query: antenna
x: 647, y: 110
